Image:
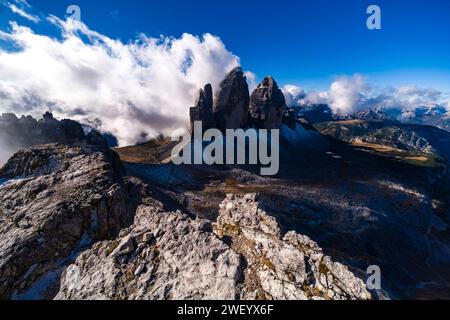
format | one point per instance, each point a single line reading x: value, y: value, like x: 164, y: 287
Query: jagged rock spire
x: 203, y: 110
x: 232, y: 100
x: 267, y: 105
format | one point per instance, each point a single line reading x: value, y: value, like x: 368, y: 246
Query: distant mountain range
x: 423, y: 133
x: 432, y: 115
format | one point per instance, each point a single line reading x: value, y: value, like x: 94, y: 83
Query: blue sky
x: 302, y: 42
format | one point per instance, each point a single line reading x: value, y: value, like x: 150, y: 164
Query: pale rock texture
x: 168, y: 255
x: 164, y: 255
x: 57, y: 199
x: 289, y: 266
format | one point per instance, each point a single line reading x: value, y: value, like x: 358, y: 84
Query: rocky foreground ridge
x: 55, y: 200
x: 168, y: 255
x: 74, y: 227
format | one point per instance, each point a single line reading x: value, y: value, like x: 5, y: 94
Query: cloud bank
x: 350, y: 94
x: 133, y: 90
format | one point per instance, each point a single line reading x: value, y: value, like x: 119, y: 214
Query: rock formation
x: 95, y: 138
x: 203, y: 111
x: 26, y: 131
x: 234, y: 109
x: 164, y: 255
x: 167, y: 255
x: 281, y: 265
x: 267, y: 105
x: 55, y: 201
x: 232, y: 101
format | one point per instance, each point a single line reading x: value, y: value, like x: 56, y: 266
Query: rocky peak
x: 203, y: 111
x: 282, y: 264
x: 374, y: 115
x: 26, y: 131
x: 267, y: 105
x: 205, y: 100
x: 8, y: 117
x: 96, y: 139
x: 232, y: 100
x: 48, y: 116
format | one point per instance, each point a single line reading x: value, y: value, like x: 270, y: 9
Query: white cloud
x: 350, y: 94
x: 346, y: 94
x: 251, y: 80
x: 133, y: 90
x: 21, y: 12
x: 23, y: 3
x: 410, y: 97
x: 315, y: 97
x: 293, y: 94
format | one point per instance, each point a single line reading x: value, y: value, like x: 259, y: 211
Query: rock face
x: 94, y: 138
x: 203, y: 111
x: 19, y: 133
x: 164, y: 255
x: 267, y: 105
x: 234, y: 109
x: 232, y: 101
x: 281, y: 265
x: 27, y: 131
x: 55, y: 200
x: 167, y: 255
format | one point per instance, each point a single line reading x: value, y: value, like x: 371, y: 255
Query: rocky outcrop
x: 26, y: 131
x: 267, y: 105
x: 281, y: 265
x: 234, y: 109
x: 203, y: 111
x: 167, y: 255
x: 164, y: 255
x: 95, y: 138
x: 232, y: 101
x: 56, y: 200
